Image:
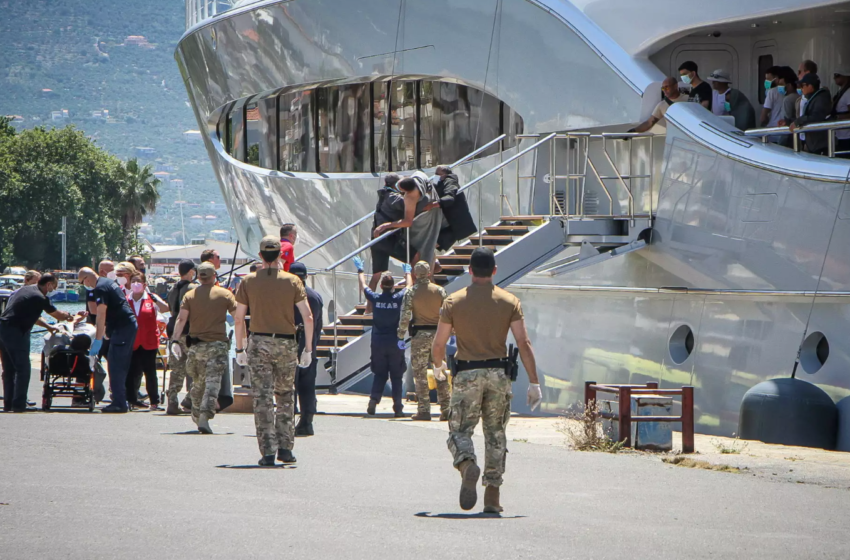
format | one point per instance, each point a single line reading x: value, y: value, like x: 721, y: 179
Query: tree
x: 6, y: 128
x: 139, y: 196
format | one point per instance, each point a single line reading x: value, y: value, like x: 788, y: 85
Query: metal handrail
x: 828, y: 127
x: 351, y: 226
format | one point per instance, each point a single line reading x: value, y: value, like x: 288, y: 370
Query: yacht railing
x: 828, y: 127
x: 200, y: 10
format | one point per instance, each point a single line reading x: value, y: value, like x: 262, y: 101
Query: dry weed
x: 582, y: 428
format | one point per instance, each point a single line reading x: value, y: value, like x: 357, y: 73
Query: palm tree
x: 139, y: 196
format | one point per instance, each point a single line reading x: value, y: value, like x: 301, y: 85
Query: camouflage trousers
x: 273, y: 362
x: 483, y: 394
x: 206, y: 363
x: 420, y: 359
x: 178, y: 372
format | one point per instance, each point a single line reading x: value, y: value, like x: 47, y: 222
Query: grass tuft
x: 690, y: 463
x: 582, y: 428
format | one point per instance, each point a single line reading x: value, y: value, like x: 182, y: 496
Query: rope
x: 496, y: 13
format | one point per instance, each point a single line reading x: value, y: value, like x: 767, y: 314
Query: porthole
x: 814, y: 352
x: 681, y: 344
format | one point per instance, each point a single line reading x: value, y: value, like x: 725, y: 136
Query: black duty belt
x: 416, y: 328
x: 463, y: 365
x: 274, y: 335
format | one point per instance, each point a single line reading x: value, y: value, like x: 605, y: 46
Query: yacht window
x: 403, y: 126
x: 344, y: 143
x: 296, y: 138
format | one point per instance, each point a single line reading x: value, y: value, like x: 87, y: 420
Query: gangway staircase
x: 521, y: 243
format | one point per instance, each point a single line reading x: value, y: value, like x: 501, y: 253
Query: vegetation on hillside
x: 79, y: 50
x: 46, y: 175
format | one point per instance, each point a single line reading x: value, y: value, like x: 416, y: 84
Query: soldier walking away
x: 178, y: 365
x: 387, y: 358
x: 205, y: 309
x: 481, y: 316
x: 272, y: 352
x: 420, y: 314
x: 305, y: 378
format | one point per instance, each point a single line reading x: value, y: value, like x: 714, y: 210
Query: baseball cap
x: 811, y: 79
x: 483, y: 258
x: 298, y: 269
x: 185, y: 266
x: 206, y: 271
x: 720, y: 75
x: 842, y: 71
x: 270, y: 243
x: 422, y: 269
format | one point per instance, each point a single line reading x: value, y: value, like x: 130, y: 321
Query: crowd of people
x: 792, y: 98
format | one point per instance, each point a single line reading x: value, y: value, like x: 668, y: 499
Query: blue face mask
x: 686, y: 79
x: 799, y: 91
x: 727, y: 107
x: 768, y: 84
x: 781, y: 90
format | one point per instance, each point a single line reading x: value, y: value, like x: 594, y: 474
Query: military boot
x: 491, y: 500
x: 305, y: 426
x: 370, y: 410
x: 266, y: 461
x: 422, y: 416
x: 173, y: 408
x: 204, y: 423
x: 285, y: 456
x: 469, y: 473
x: 444, y: 415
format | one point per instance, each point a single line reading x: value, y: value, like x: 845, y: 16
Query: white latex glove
x: 176, y: 351
x: 306, y: 359
x: 242, y: 359
x: 535, y: 396
x: 441, y: 372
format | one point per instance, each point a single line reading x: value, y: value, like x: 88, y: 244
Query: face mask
x: 121, y: 281
x: 687, y: 79
x: 767, y: 84
x: 781, y: 90
x: 799, y: 91
x: 111, y: 275
x: 138, y: 287
x: 727, y: 106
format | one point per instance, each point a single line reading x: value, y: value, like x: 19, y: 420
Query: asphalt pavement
x: 80, y: 485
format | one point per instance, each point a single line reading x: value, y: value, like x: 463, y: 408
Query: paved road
x: 79, y: 485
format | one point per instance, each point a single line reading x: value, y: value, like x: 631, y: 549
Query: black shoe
x: 113, y: 408
x: 285, y: 456
x: 399, y: 415
x: 266, y: 461
x: 303, y: 430
x: 25, y: 409
x: 137, y: 405
x: 30, y: 403
x: 141, y: 396
x: 370, y: 410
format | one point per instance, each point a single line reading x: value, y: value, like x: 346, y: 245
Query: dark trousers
x: 388, y: 362
x: 118, y: 359
x: 305, y: 387
x: 15, y: 357
x: 142, y: 362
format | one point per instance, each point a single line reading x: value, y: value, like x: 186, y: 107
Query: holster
x: 190, y: 340
x: 512, y: 369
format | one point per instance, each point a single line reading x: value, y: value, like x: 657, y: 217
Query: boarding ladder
x: 524, y: 242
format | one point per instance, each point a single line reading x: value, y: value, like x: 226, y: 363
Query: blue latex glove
x: 95, y: 347
x: 407, y: 268
x: 402, y: 345
x: 358, y: 264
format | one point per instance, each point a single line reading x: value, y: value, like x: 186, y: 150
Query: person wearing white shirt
x: 670, y: 87
x: 721, y: 83
x: 774, y: 95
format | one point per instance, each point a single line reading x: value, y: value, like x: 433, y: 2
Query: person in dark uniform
x: 481, y: 316
x: 305, y: 378
x: 455, y: 209
x: 387, y: 349
x: 23, y: 311
x: 117, y: 321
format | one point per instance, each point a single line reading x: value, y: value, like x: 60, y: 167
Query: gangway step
x: 492, y: 239
x: 510, y: 220
x: 355, y: 319
x: 506, y: 230
x: 468, y: 249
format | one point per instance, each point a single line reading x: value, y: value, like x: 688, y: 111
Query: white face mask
x: 687, y: 79
x: 111, y: 275
x: 121, y: 281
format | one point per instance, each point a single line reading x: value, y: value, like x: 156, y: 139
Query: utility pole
x: 64, y: 234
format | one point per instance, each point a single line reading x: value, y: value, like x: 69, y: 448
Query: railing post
x: 501, y: 180
x: 589, y: 394
x: 687, y: 419
x: 652, y: 385
x: 625, y: 416
x: 552, y: 143
x: 796, y: 136
x: 831, y: 142
x: 336, y: 322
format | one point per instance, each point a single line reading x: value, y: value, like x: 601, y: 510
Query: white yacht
x: 694, y: 254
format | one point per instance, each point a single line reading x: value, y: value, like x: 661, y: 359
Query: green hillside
x: 79, y: 50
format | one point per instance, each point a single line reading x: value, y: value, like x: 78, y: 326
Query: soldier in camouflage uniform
x: 272, y: 352
x: 481, y: 316
x: 177, y: 365
x: 420, y: 312
x: 205, y: 309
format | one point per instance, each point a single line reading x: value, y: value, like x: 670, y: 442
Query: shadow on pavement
x: 194, y: 433
x: 255, y: 467
x: 479, y: 515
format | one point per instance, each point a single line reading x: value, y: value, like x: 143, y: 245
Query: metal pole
x: 480, y: 233
x: 796, y: 141
x: 64, y: 239
x: 501, y: 181
x: 625, y: 416
x: 687, y: 419
x: 831, y: 142
x: 336, y: 322
x: 552, y: 145
x: 233, y: 265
